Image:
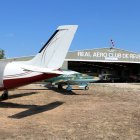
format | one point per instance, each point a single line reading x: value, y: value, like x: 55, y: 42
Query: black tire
x: 60, y: 87
x: 4, y: 96
x: 86, y: 88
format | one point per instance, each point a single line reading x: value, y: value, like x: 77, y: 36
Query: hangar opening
x: 110, y: 64
x: 108, y: 71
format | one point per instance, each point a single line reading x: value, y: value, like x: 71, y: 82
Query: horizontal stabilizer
x: 46, y: 70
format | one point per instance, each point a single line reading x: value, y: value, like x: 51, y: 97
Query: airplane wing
x: 69, y: 80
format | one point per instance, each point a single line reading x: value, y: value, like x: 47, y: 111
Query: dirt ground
x: 104, y: 112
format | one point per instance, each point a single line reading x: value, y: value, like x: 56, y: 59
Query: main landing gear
x: 69, y: 88
x: 4, y: 96
x: 86, y: 87
x: 60, y: 86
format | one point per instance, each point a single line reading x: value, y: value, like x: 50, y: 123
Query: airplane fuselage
x: 12, y: 75
x: 44, y: 65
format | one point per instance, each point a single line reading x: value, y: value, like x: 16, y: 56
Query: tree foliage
x: 2, y: 54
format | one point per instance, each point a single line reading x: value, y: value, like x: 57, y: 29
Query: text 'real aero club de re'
x: 110, y: 64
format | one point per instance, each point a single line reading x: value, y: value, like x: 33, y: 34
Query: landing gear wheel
x: 4, y: 96
x: 86, y: 88
x: 69, y: 88
x: 60, y: 87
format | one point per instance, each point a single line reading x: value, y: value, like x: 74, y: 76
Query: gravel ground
x: 104, y: 112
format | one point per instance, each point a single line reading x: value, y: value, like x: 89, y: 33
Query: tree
x: 2, y: 54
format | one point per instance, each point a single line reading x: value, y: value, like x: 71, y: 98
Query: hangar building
x: 120, y: 65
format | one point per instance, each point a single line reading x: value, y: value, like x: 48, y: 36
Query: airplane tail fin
x: 53, y: 53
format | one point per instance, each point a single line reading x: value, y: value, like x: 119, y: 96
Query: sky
x: 26, y: 24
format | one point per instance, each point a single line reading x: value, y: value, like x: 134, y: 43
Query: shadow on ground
x: 61, y: 91
x: 20, y: 95
x: 36, y: 110
x: 32, y: 109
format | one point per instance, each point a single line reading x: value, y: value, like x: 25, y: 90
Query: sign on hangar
x: 104, y: 55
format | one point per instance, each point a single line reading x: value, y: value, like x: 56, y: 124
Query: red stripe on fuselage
x: 13, y: 83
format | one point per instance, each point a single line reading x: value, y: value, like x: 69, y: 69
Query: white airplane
x: 44, y: 65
